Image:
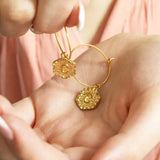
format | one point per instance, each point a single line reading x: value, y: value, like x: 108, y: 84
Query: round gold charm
x: 64, y: 68
x: 88, y: 98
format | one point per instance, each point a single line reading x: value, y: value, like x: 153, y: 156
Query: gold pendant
x: 64, y: 68
x: 88, y: 98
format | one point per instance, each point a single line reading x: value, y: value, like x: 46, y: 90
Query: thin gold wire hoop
x: 108, y: 62
x: 68, y: 41
x: 81, y: 45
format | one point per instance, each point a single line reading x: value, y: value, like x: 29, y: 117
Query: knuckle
x: 20, y: 14
x: 16, y: 19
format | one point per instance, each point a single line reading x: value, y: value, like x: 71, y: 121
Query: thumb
x: 24, y: 142
x: 139, y: 134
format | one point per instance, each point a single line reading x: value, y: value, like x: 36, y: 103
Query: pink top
x: 26, y: 62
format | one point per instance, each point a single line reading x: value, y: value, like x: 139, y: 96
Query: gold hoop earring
x: 64, y: 67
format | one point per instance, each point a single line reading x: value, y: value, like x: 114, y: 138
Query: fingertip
x: 73, y: 19
x: 5, y: 130
x: 81, y: 16
x: 77, y: 17
x: 14, y: 123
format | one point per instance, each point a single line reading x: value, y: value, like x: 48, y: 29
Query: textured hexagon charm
x: 88, y: 98
x: 64, y: 68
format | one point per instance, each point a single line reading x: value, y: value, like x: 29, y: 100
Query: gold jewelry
x: 64, y: 67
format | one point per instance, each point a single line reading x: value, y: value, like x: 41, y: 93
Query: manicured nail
x: 5, y: 130
x: 81, y: 16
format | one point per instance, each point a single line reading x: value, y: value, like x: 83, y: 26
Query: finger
x: 52, y: 15
x: 16, y: 16
x: 77, y: 17
x: 140, y: 133
x: 5, y: 152
x: 73, y: 18
x: 24, y: 142
x: 5, y: 108
x: 23, y: 109
x: 81, y: 16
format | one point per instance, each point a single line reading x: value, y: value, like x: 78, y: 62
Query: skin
x: 125, y: 125
x: 17, y: 16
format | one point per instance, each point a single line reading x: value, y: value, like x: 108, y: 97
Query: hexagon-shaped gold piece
x: 64, y: 68
x: 88, y: 98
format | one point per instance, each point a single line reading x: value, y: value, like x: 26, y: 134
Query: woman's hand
x: 17, y: 16
x: 124, y: 126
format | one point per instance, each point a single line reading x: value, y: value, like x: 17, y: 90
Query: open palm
x: 125, y: 124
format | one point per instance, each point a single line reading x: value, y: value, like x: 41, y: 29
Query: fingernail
x: 5, y: 130
x: 34, y: 31
x: 81, y: 16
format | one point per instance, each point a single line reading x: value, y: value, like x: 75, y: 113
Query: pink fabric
x: 26, y: 62
x: 136, y: 16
